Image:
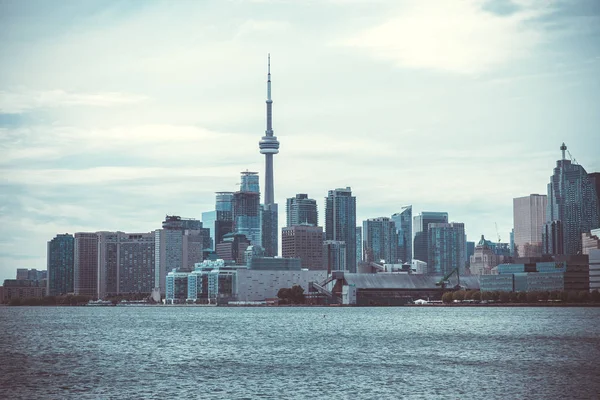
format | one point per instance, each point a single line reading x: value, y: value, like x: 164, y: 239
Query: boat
x: 97, y: 303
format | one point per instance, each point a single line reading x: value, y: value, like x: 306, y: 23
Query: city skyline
x: 92, y: 145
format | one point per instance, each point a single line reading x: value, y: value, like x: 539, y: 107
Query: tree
x: 447, y: 297
x: 543, y: 296
x: 477, y: 296
x: 584, y: 296
x: 595, y: 296
x: 293, y: 295
x: 514, y: 297
x: 458, y: 295
x: 469, y: 294
x: 14, y: 302
x: 504, y: 297
x: 572, y: 296
x: 532, y: 297
x: 522, y: 297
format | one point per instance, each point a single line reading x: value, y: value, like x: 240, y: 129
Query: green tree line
x: 573, y: 296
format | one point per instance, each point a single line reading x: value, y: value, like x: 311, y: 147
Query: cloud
x: 454, y: 36
x: 15, y: 102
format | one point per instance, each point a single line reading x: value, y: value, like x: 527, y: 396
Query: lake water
x: 299, y: 353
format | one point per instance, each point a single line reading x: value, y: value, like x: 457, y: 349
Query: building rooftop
x: 404, y: 281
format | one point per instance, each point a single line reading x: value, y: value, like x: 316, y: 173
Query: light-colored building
x: 529, y: 217
x: 484, y: 259
x: 591, y: 247
x: 419, y: 267
x: 258, y: 285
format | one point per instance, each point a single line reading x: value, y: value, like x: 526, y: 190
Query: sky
x: 116, y: 113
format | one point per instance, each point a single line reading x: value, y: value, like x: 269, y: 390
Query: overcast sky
x: 113, y: 114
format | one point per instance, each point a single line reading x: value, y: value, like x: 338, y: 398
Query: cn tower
x: 269, y: 144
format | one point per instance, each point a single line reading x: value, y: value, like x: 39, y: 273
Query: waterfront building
x: 359, y: 245
x: 246, y: 209
x: 572, y: 200
x: 591, y: 248
x: 233, y: 248
x: 529, y: 217
x: 126, y: 263
x: 380, y: 239
x: 392, y: 289
x: 273, y: 263
x: 304, y: 242
x: 511, y: 244
x: 85, y: 264
x: 403, y: 221
x: 483, y: 259
x: 340, y: 222
x: 263, y: 284
x: 447, y: 247
x: 176, y: 287
x: 22, y: 274
x: 21, y: 289
x: 301, y: 210
x: 269, y: 146
x: 560, y: 272
x: 334, y: 255
x: 421, y: 227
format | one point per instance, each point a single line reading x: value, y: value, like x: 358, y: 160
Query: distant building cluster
x: 233, y: 253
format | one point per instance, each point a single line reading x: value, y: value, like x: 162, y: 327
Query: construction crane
x: 497, y: 233
x: 444, y: 281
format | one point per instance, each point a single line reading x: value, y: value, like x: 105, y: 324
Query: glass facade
x: 61, y: 252
x: 403, y: 221
x: 380, y: 239
x: 421, y: 227
x: 340, y: 222
x: 447, y: 247
x: 572, y: 200
x: 301, y: 210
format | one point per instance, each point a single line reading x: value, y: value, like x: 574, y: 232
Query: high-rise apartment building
x: 380, y: 239
x: 178, y: 245
x: 403, y: 221
x: 126, y: 263
x: 233, y: 248
x: 591, y: 248
x: 269, y: 146
x: 421, y: 227
x: 304, y: 242
x: 220, y: 220
x: 60, y: 258
x: 529, y: 217
x: 334, y: 255
x: 572, y: 200
x: 85, y: 264
x: 340, y: 222
x: 301, y: 210
x: 447, y: 247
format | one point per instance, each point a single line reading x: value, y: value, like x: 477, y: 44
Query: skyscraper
x: 269, y: 146
x: 572, y: 200
x: 126, y: 263
x: 304, y: 242
x: 421, y: 227
x: 529, y: 216
x: 447, y: 247
x: 359, y: 245
x: 60, y: 265
x: 340, y: 222
x: 178, y: 245
x: 219, y: 221
x: 380, y: 240
x: 403, y: 222
x: 301, y: 210
x: 246, y: 210
x: 85, y: 264
x: 334, y: 255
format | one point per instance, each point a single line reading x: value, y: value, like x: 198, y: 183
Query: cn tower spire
x: 269, y: 144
